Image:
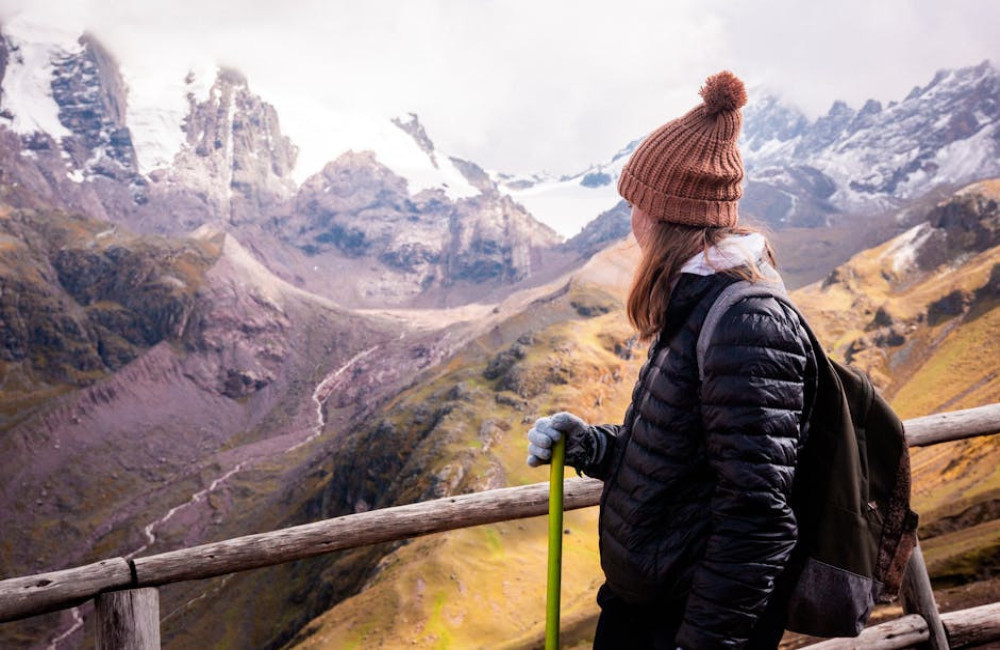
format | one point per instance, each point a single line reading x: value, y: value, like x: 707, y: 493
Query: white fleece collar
x: 733, y: 251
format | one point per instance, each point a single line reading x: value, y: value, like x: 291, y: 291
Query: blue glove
x: 584, y: 445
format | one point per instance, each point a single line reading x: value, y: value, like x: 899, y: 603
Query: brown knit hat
x: 689, y: 171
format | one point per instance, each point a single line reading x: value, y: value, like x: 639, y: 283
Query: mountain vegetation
x: 197, y: 344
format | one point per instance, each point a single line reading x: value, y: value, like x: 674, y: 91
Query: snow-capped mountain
x: 403, y: 218
x: 944, y: 133
x: 400, y: 143
x: 65, y: 95
x: 802, y: 172
x: 234, y: 160
x: 568, y: 203
x: 169, y: 157
x: 74, y: 140
x: 63, y: 106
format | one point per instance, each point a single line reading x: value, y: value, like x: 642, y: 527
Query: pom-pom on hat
x: 689, y: 171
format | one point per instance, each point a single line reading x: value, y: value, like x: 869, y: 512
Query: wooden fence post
x: 918, y: 598
x: 128, y: 620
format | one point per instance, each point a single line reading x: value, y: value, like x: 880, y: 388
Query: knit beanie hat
x: 689, y: 171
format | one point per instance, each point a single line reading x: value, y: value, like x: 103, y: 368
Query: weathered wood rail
x: 128, y: 606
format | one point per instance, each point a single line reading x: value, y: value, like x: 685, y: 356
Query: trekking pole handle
x: 555, y: 544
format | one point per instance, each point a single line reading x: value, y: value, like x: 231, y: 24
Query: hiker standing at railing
x: 696, y: 527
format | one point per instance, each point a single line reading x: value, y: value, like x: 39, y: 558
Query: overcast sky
x: 522, y: 86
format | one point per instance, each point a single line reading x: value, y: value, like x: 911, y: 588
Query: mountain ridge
x: 811, y: 173
x: 446, y: 230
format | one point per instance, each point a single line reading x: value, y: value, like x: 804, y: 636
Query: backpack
x: 851, y: 494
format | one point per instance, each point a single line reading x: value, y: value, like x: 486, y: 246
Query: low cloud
x: 526, y: 86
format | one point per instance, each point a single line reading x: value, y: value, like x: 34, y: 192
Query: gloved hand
x: 584, y: 446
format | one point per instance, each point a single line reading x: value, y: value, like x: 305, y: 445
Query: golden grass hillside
x: 929, y: 338
x: 485, y: 586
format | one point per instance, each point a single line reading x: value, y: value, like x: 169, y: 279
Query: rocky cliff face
x: 235, y: 159
x: 64, y: 133
x: 238, y: 335
x: 358, y: 215
x: 233, y: 166
x: 494, y: 238
x: 89, y: 91
x: 80, y: 299
x: 962, y: 226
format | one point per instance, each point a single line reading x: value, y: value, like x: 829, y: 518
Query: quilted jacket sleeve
x: 751, y: 400
x: 606, y: 439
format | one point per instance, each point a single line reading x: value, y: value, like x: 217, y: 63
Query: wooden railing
x: 127, y: 602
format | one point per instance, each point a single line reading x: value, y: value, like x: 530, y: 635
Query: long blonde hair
x: 667, y: 248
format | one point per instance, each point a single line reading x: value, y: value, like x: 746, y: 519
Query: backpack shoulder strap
x: 731, y: 295
x: 773, y: 287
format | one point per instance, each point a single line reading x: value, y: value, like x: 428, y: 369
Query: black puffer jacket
x: 695, y: 511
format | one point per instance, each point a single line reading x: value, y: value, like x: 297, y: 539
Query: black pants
x: 654, y: 627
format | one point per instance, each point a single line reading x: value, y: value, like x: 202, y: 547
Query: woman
x: 696, y: 528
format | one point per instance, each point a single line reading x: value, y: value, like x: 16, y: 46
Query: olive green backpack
x: 851, y: 494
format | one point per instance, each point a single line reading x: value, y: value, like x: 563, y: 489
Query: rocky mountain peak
x: 66, y: 99
x: 416, y: 130
x: 868, y: 160
x: 475, y: 175
x: 232, y: 77
x: 828, y: 128
x: 356, y: 174
x: 358, y: 216
x: 768, y: 119
x: 235, y: 154
x: 871, y: 107
x: 91, y: 96
x: 63, y: 114
x: 946, y: 81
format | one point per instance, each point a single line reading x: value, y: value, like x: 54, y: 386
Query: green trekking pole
x: 555, y: 545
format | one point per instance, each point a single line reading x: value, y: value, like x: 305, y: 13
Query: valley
x: 200, y: 340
